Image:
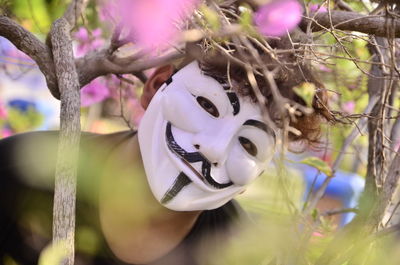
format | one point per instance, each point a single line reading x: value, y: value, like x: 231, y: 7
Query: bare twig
x: 352, y: 136
x: 339, y: 211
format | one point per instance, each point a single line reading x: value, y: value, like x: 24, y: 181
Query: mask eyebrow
x: 233, y: 99
x: 260, y: 125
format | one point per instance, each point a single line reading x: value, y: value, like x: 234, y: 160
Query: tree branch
x: 74, y: 11
x: 70, y: 129
x: 101, y: 63
x: 351, y: 21
x: 68, y: 146
x: 34, y: 48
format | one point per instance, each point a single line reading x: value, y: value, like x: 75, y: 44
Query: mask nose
x: 213, y: 145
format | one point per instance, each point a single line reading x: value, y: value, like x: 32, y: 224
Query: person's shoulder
x: 17, y: 148
x: 51, y: 138
x: 112, y: 138
x: 212, y: 230
x: 36, y: 151
x: 218, y: 220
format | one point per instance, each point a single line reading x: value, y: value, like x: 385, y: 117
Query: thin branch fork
x: 339, y: 211
x: 350, y: 139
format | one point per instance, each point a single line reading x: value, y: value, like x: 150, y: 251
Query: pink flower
x: 82, y: 35
x: 106, y: 11
x: 3, y: 112
x: 88, y: 42
x: 94, y: 92
x: 155, y: 24
x: 136, y: 110
x: 318, y: 8
x: 317, y: 234
x: 278, y: 17
x: 324, y: 68
x: 5, y: 133
x: 349, y: 107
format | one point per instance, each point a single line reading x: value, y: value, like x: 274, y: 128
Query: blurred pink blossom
x: 349, y: 106
x: 88, y: 42
x: 277, y: 17
x: 397, y: 145
x: 318, y: 8
x: 136, y: 109
x: 5, y: 132
x: 324, y: 68
x: 94, y: 92
x: 154, y: 23
x: 3, y: 111
x: 317, y: 234
x: 107, y: 8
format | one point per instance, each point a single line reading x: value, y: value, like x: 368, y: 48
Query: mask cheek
x: 180, y: 109
x: 241, y: 169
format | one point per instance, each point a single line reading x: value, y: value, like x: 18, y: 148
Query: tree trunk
x: 68, y: 147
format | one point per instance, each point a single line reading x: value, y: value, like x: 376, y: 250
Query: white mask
x: 202, y: 144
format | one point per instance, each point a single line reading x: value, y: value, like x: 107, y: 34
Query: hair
x: 308, y: 124
x: 288, y: 73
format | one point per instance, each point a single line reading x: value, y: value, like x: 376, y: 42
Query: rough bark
x: 383, y: 167
x: 101, y: 63
x: 376, y: 87
x: 390, y: 210
x: 68, y: 147
x: 70, y: 129
x: 352, y: 21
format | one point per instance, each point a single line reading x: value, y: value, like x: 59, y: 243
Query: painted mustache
x: 193, y: 157
x: 180, y: 182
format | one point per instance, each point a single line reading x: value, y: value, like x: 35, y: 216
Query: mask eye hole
x: 208, y: 106
x: 248, y: 146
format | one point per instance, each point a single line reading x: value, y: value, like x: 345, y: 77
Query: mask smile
x: 192, y: 157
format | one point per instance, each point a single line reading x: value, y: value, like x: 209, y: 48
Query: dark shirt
x: 27, y: 163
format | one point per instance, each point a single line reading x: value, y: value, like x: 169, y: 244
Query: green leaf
x: 315, y: 214
x: 33, y: 14
x: 246, y: 17
x: 306, y: 91
x: 21, y: 121
x: 319, y: 164
x: 211, y: 17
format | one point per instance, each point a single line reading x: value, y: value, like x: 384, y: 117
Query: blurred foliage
x: 318, y: 164
x: 5, y: 7
x: 306, y: 91
x: 21, y: 121
x: 53, y: 254
x: 211, y: 17
x: 280, y: 233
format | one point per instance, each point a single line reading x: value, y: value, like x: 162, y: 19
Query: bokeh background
x: 279, y: 232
